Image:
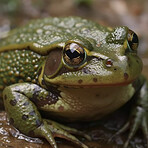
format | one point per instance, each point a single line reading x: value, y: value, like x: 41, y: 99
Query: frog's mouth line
x: 99, y: 85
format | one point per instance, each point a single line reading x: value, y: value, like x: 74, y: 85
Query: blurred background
x: 131, y: 13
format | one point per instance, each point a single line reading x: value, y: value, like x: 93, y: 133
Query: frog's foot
x: 24, y: 114
x: 139, y: 116
x: 50, y: 129
x: 70, y: 130
x: 140, y: 119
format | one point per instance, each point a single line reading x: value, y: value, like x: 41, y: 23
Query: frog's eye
x: 132, y: 40
x: 74, y: 55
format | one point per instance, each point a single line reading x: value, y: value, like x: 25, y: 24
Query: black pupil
x: 72, y: 53
x: 75, y: 51
x: 135, y: 38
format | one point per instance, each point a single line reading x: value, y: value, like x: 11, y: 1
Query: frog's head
x: 103, y: 60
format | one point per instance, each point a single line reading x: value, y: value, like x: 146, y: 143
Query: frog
x: 71, y: 69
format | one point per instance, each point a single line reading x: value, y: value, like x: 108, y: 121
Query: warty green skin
x: 69, y: 94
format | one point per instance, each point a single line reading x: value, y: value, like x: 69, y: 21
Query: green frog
x: 71, y: 69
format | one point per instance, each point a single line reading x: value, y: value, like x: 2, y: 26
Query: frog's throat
x: 87, y: 104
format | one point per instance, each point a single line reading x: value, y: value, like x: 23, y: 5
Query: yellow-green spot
x: 10, y: 73
x: 16, y: 73
x: 28, y: 79
x: 20, y: 81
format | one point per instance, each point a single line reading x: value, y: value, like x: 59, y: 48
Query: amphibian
x: 74, y: 70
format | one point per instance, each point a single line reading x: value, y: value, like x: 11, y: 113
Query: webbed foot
x: 50, y: 129
x: 138, y: 118
x: 24, y: 115
x: 133, y: 126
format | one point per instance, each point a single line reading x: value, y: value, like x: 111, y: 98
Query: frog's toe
x: 139, y: 120
x: 45, y: 132
x: 133, y: 128
x: 50, y: 129
x: 145, y: 128
x: 123, y: 129
x: 71, y: 130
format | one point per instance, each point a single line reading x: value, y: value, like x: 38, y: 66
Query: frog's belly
x: 90, y: 103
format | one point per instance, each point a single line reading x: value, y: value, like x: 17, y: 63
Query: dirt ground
x: 131, y: 13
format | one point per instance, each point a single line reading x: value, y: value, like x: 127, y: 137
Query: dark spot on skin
x: 26, y: 103
x: 13, y: 102
x: 50, y: 98
x: 95, y: 79
x: 80, y: 81
x: 38, y: 123
x: 25, y: 117
x: 126, y: 76
x: 32, y: 113
x: 11, y: 121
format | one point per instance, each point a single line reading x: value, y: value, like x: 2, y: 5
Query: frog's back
x: 18, y: 66
x: 42, y: 34
x: 24, y: 49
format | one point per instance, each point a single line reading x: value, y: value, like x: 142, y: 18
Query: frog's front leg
x: 23, y: 113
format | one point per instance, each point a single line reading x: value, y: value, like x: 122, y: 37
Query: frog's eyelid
x: 98, y: 55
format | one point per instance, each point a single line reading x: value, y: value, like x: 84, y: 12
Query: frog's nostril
x: 109, y: 63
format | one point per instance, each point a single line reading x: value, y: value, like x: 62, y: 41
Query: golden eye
x: 132, y: 40
x: 74, y: 55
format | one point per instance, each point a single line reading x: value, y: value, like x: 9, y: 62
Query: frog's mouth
x: 95, y: 75
x: 114, y: 71
x: 80, y: 83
